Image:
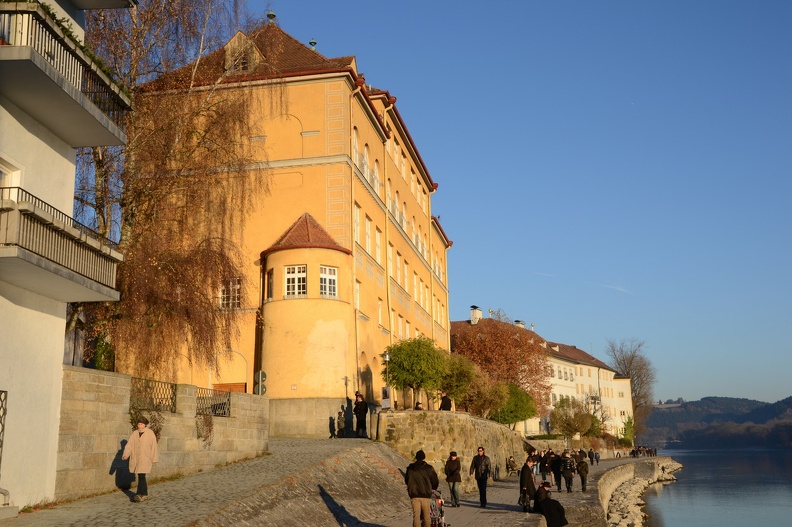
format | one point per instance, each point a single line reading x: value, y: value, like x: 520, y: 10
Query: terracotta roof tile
x: 304, y: 233
x: 281, y: 56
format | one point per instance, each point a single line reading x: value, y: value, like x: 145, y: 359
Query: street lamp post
x: 386, y: 358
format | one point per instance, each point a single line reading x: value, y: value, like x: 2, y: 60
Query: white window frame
x: 231, y: 294
x: 356, y: 224
x: 378, y: 245
x: 328, y: 281
x: 296, y: 281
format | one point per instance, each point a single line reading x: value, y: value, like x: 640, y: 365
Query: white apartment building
x: 578, y: 374
x: 54, y: 98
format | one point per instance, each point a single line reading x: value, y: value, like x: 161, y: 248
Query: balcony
x: 47, y: 75
x: 45, y: 251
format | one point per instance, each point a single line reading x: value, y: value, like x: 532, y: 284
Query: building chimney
x: 519, y: 324
x: 475, y: 315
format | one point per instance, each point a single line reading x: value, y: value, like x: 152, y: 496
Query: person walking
x: 141, y: 451
x: 583, y: 470
x: 421, y: 480
x: 481, y: 467
x: 597, y: 456
x: 591, y: 456
x: 555, y: 463
x: 360, y: 410
x: 453, y: 472
x: 568, y: 471
x: 527, y: 485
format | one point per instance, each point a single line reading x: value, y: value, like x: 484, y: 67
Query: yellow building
x: 345, y: 255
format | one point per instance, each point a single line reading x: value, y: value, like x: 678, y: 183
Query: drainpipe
x: 6, y: 497
x: 359, y: 83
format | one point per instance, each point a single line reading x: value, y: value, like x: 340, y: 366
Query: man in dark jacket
x: 540, y: 495
x: 453, y: 472
x: 481, y: 467
x: 527, y: 485
x: 583, y: 470
x: 568, y: 470
x: 555, y: 463
x: 445, y: 402
x: 421, y: 480
x: 360, y: 410
x: 554, y: 513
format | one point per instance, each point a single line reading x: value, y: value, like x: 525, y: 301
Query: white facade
x: 46, y: 258
x: 577, y: 374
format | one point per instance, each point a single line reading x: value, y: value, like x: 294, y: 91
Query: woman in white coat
x: 141, y: 451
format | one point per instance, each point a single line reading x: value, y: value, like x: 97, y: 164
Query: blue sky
x: 607, y: 170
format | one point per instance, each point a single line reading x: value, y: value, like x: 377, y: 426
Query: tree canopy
x: 507, y: 353
x: 570, y: 417
x: 518, y: 407
x: 416, y: 364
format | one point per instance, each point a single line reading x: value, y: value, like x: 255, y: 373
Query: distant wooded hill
x: 720, y: 422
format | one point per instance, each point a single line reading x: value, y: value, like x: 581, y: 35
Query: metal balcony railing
x: 36, y: 226
x: 213, y: 402
x: 27, y: 24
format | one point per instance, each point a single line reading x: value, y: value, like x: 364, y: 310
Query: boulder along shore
x: 625, y: 507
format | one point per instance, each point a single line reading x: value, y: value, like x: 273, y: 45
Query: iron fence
x: 153, y: 395
x: 213, y: 402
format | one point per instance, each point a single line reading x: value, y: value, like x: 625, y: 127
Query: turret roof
x: 305, y: 233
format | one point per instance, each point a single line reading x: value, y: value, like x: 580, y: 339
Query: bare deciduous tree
x: 628, y: 358
x: 175, y: 196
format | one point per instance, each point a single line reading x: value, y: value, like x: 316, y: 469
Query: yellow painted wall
x: 314, y: 348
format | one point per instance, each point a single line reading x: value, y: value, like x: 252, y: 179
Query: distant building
x: 54, y: 97
x: 572, y: 373
x: 345, y: 255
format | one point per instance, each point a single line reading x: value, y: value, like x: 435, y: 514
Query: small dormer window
x: 241, y: 63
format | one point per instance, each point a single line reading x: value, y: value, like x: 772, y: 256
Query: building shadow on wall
x: 367, y: 384
x: 339, y: 512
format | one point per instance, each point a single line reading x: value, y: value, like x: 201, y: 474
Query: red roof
x: 281, y: 56
x: 305, y: 233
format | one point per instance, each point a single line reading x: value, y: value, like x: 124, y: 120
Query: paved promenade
x: 352, y: 482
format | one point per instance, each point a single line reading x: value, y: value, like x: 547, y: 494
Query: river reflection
x: 727, y: 488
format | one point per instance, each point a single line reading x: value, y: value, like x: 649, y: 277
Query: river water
x: 724, y: 488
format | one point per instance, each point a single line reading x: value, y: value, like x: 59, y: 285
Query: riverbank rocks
x: 625, y: 508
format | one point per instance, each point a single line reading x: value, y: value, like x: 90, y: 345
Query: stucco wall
x: 31, y: 340
x: 438, y: 433
x: 95, y: 420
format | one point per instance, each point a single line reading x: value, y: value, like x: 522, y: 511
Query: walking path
x: 281, y: 489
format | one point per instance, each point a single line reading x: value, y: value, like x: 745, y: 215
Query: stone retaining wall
x: 438, y: 433
x: 94, y: 420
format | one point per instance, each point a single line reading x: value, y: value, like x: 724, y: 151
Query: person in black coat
x: 540, y: 496
x: 527, y: 485
x: 453, y: 472
x: 555, y: 463
x: 583, y: 470
x: 445, y: 402
x: 568, y: 466
x: 553, y: 511
x: 360, y: 410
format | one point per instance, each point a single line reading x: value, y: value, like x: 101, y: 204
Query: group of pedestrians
x: 421, y: 479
